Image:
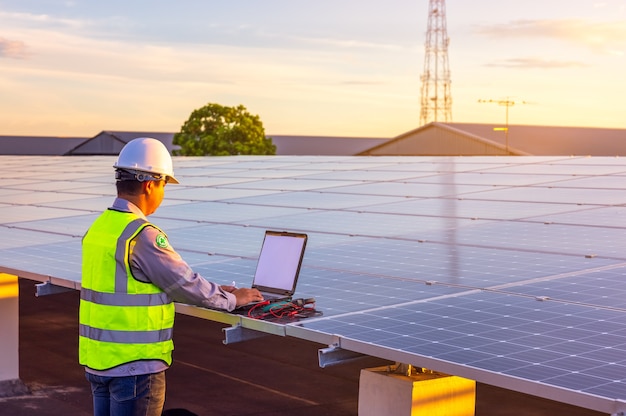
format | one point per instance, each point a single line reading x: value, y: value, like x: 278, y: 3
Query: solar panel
x: 506, y: 270
x: 503, y: 336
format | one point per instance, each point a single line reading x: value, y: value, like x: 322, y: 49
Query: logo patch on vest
x: 161, y: 241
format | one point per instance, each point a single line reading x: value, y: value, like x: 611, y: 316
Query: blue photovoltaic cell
x: 18, y: 213
x: 60, y: 259
x: 255, y: 164
x: 89, y: 203
x: 206, y: 181
x: 219, y: 239
x: 213, y: 193
x: 538, y: 237
x: 562, y: 167
x: 457, y: 265
x: 292, y: 184
x: 324, y: 239
x: 346, y: 164
x: 222, y: 212
x: 363, y: 175
x: 508, y: 270
x: 225, y: 270
x: 70, y: 186
x: 75, y: 226
x: 606, y: 182
x: 468, y: 208
x: 554, y: 195
x: 587, y: 161
x: 339, y: 292
x: 435, y: 165
x: 267, y: 173
x: 316, y: 199
x: 15, y: 238
x: 408, y: 190
x: 603, y: 287
x: 359, y: 223
x: 491, y: 179
x: 597, y: 216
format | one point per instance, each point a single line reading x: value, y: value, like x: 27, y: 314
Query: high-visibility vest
x: 121, y: 319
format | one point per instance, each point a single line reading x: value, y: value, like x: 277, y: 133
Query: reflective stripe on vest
x: 125, y: 337
x: 123, y: 299
x: 121, y: 273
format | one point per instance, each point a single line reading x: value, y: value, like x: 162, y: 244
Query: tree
x: 221, y: 131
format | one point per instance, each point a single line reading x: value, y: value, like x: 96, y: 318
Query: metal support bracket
x: 238, y: 333
x: 334, y: 355
x: 48, y: 288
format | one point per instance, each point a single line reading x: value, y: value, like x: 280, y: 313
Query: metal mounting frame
x: 47, y: 288
x: 334, y: 354
x: 238, y: 333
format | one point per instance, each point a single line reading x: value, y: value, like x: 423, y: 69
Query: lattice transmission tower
x: 436, y: 98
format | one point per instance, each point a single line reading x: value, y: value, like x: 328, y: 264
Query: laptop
x: 279, y: 264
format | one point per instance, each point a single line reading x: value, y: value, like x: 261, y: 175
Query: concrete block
x: 383, y: 392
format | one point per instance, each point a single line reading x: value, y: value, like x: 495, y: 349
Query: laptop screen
x: 279, y: 261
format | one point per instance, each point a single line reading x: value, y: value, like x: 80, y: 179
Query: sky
x: 323, y: 67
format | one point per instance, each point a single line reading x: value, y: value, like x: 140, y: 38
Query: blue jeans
x: 142, y: 395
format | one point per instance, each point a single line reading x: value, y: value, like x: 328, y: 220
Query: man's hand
x: 245, y: 296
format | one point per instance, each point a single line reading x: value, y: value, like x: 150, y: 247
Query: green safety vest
x: 121, y: 319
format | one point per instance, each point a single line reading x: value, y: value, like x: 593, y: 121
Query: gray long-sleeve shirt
x: 152, y: 259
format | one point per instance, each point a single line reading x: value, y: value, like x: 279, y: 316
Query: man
x: 130, y: 278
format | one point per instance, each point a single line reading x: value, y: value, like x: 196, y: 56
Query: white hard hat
x: 145, y: 155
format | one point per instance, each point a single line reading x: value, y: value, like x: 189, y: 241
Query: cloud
x: 14, y: 49
x: 600, y: 37
x: 535, y: 63
x: 39, y: 20
x: 348, y: 43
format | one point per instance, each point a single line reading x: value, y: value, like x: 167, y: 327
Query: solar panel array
x: 507, y: 270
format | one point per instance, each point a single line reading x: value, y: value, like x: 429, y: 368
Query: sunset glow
x: 340, y: 68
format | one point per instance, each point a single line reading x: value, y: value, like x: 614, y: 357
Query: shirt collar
x: 121, y: 204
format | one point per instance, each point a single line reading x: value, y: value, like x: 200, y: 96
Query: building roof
x: 323, y: 145
x: 439, y: 139
x: 553, y: 140
x: 111, y: 142
x: 38, y: 146
x: 450, y: 139
x: 434, y: 139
